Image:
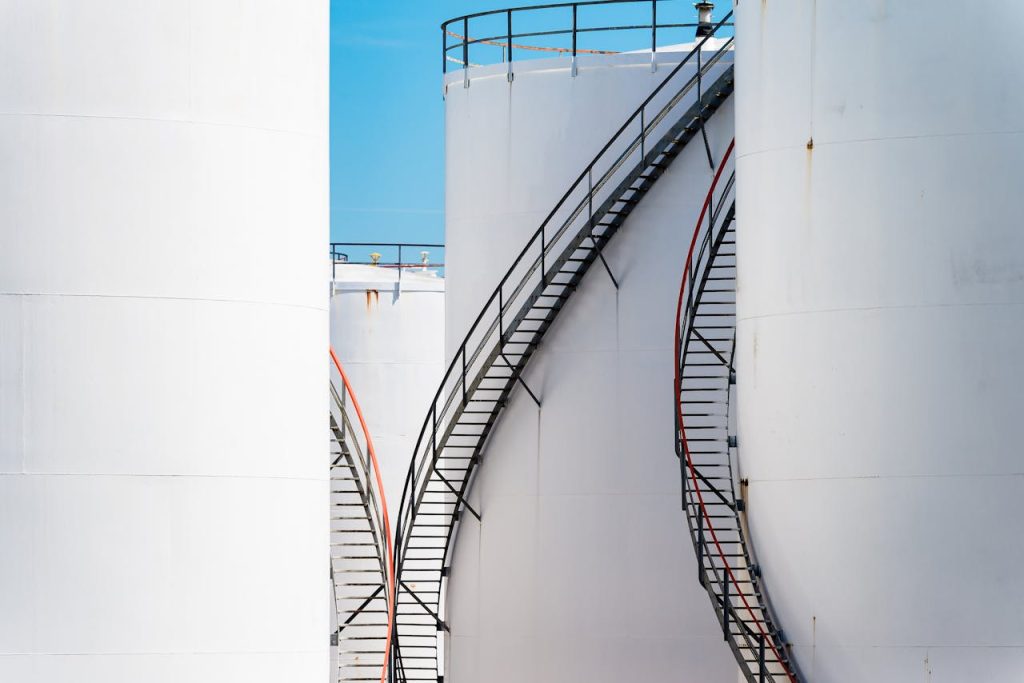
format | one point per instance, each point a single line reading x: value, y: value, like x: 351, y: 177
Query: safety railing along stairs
x: 490, y: 362
x: 704, y: 387
x: 362, y: 569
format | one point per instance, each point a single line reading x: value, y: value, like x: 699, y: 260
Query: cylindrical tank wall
x: 163, y: 328
x: 389, y: 334
x: 881, y: 285
x: 582, y: 567
x: 507, y: 164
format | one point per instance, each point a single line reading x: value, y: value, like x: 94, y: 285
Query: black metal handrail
x: 460, y: 29
x: 704, y: 348
x: 340, y: 256
x: 530, y: 273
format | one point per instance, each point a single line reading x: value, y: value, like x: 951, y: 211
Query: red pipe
x: 679, y: 405
x: 384, y: 507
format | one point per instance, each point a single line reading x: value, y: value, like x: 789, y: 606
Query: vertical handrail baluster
x: 654, y: 34
x: 463, y: 376
x: 572, y: 68
x: 465, y: 52
x: 508, y: 45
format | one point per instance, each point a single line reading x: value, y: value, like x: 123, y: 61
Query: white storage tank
x: 163, y: 334
x: 387, y: 327
x: 881, y: 285
x: 582, y: 567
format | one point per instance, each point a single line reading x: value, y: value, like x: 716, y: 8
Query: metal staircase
x: 361, y: 561
x: 704, y: 383
x: 490, y: 362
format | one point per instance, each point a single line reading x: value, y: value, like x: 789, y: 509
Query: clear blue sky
x: 387, y: 117
x: 387, y: 114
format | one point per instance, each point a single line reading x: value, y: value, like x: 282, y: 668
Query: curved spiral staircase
x: 489, y: 364
x: 361, y: 561
x: 705, y: 441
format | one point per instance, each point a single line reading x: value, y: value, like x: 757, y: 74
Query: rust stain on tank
x: 372, y: 298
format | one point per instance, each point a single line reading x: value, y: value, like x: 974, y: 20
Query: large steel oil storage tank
x: 163, y: 324
x: 387, y: 327
x: 580, y: 567
x: 880, y: 375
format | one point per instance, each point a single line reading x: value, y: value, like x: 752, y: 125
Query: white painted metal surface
x: 881, y: 281
x: 389, y: 333
x: 582, y: 568
x: 163, y: 329
x: 513, y: 151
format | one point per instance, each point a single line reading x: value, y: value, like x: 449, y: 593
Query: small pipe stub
x: 704, y: 20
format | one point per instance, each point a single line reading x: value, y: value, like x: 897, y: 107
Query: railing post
x: 433, y: 434
x: 643, y: 134
x: 590, y: 199
x: 725, y: 605
x: 508, y: 44
x: 400, y: 268
x: 572, y: 68
x: 501, y: 314
x: 689, y: 292
x: 700, y: 544
x: 654, y: 34
x: 465, y: 52
x: 760, y: 660
x: 444, y: 49
x: 463, y: 376
x: 543, y: 258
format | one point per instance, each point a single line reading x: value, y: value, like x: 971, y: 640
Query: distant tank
x: 387, y: 327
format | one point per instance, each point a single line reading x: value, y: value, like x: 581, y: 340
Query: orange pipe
x: 384, y: 507
x: 679, y: 406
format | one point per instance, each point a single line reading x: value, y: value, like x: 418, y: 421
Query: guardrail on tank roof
x: 558, y: 29
x: 386, y: 255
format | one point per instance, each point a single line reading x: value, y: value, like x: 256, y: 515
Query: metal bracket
x: 710, y: 347
x: 519, y: 378
x: 440, y: 624
x: 355, y: 612
x: 458, y: 495
x: 604, y: 263
x: 707, y: 145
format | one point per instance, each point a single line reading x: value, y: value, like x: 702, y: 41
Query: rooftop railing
x: 387, y: 255
x: 571, y: 29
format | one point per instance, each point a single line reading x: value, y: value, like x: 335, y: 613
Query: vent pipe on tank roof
x: 704, y: 21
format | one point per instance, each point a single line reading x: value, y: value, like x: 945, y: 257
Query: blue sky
x: 387, y: 113
x: 387, y: 118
